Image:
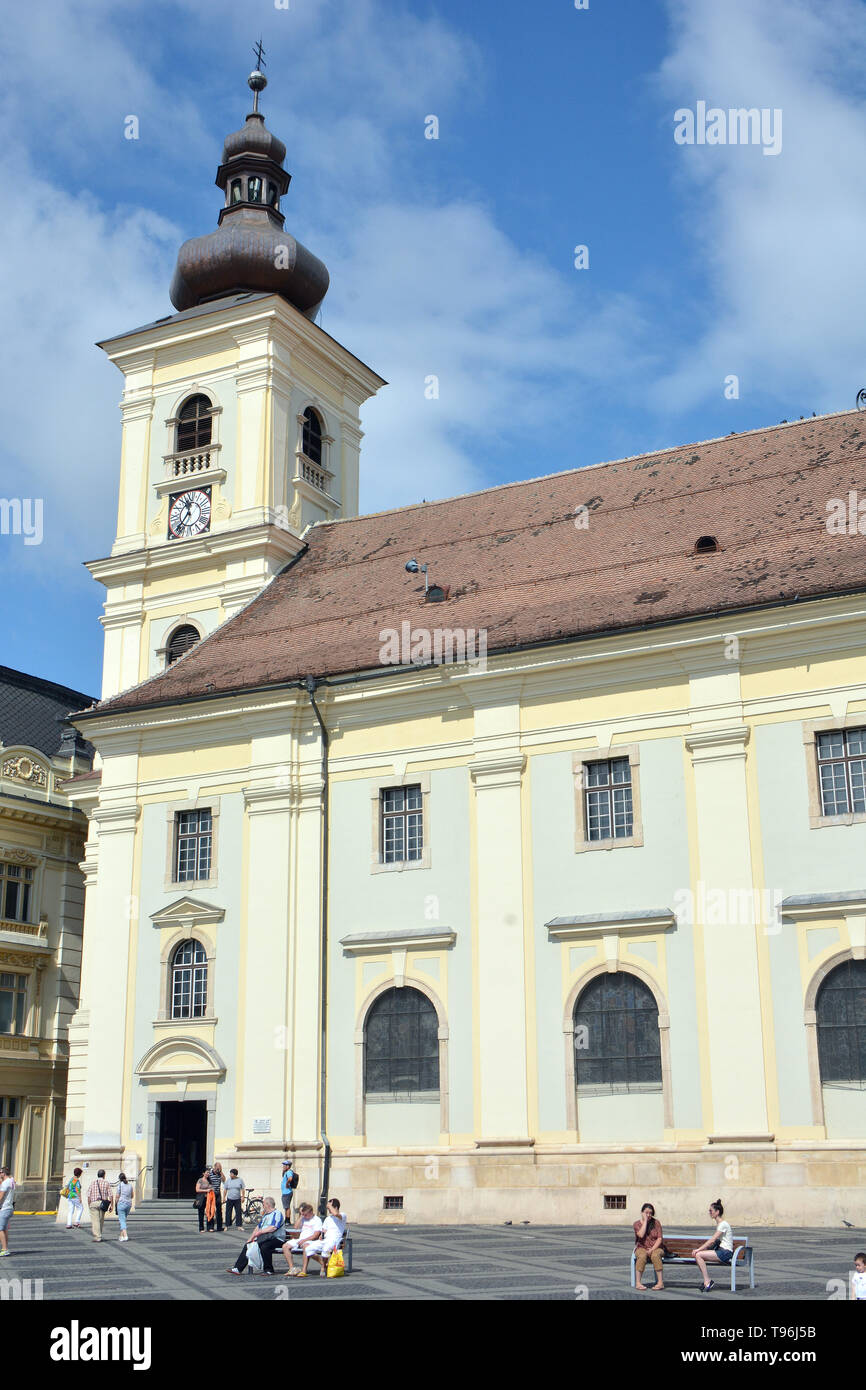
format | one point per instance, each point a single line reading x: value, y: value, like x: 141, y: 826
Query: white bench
x: 682, y: 1250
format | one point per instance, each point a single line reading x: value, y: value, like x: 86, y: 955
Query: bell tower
x: 241, y: 422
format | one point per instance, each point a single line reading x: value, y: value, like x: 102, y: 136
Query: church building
x: 495, y: 858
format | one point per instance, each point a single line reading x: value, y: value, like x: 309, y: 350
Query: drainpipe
x: 310, y: 685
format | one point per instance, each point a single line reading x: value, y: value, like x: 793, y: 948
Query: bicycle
x: 252, y: 1208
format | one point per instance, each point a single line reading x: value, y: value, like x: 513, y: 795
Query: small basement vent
x: 392, y: 1203
x: 706, y: 545
x: 616, y: 1203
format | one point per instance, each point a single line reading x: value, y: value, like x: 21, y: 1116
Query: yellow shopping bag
x: 336, y: 1265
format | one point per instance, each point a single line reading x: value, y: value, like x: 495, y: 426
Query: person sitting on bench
x: 648, y: 1246
x: 719, y: 1249
x: 331, y: 1239
x: 310, y: 1229
x: 269, y: 1235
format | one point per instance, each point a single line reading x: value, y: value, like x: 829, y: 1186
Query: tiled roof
x: 521, y: 565
x: 32, y: 710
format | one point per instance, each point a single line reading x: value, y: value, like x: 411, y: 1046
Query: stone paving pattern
x: 167, y: 1258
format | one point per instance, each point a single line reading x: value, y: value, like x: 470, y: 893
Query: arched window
x: 180, y: 641
x: 311, y: 439
x: 401, y: 1044
x: 840, y: 1010
x: 617, y: 1047
x: 194, y: 424
x: 189, y: 981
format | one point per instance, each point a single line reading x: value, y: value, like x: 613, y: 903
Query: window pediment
x: 188, y: 913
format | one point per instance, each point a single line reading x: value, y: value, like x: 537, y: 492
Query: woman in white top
x: 123, y: 1203
x: 719, y: 1249
x: 333, y: 1234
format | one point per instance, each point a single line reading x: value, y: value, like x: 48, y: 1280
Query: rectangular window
x: 9, y: 1119
x: 842, y: 771
x: 608, y: 799
x: 392, y: 1203
x: 402, y: 824
x: 615, y: 1202
x: 193, y: 845
x: 16, y: 883
x: 13, y: 999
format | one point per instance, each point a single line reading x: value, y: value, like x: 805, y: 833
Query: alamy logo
x: 439, y: 646
x: 23, y: 1290
x: 740, y: 125
x: 22, y: 516
x: 77, y: 1343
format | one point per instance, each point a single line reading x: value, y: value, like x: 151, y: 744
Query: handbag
x: 64, y: 1191
x: 336, y: 1265
x: 104, y: 1204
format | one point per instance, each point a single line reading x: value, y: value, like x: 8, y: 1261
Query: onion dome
x: 250, y: 251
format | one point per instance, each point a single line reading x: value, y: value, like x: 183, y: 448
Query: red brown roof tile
x: 519, y: 567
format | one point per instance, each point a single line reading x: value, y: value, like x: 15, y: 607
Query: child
x: 858, y: 1278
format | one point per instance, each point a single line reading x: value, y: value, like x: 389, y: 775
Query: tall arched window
x: 194, y: 424
x: 616, y: 1036
x: 840, y: 1010
x: 180, y: 641
x: 311, y: 438
x: 189, y: 981
x: 401, y: 1044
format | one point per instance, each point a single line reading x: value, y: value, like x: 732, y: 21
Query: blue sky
x: 451, y: 257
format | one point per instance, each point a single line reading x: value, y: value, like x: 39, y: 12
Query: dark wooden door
x: 182, y: 1146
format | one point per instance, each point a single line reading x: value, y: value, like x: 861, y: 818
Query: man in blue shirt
x: 287, y: 1189
x: 269, y: 1235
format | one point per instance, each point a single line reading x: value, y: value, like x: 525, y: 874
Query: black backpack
x: 296, y: 1178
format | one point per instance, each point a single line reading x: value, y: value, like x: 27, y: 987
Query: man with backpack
x: 289, y: 1182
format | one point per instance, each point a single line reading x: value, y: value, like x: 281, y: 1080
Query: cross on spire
x: 259, y: 52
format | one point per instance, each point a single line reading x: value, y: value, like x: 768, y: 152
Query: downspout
x: 310, y: 685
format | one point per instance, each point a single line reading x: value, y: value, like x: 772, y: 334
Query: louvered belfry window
x: 401, y: 1044
x: 194, y: 424
x: 841, y: 1018
x: 180, y: 641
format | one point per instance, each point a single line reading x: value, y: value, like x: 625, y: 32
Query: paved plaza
x: 166, y: 1258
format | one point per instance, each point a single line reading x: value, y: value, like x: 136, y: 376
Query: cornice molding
x: 399, y: 939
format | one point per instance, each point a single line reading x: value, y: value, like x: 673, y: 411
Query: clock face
x: 188, y: 513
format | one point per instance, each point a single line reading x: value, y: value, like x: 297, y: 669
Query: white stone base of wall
x: 762, y: 1185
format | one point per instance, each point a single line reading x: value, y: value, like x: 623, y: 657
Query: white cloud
x: 782, y: 236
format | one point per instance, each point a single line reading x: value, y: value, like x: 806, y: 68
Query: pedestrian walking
x: 123, y: 1203
x: 7, y: 1206
x: 99, y: 1202
x: 234, y: 1199
x: 74, y: 1203
x: 203, y: 1190
x: 216, y: 1178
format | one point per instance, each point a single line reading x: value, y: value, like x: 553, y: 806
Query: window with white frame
x: 193, y: 845
x: 402, y: 824
x: 16, y: 887
x: 189, y: 980
x: 607, y: 792
x: 842, y: 771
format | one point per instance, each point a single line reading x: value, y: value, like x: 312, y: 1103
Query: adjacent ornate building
x: 41, y: 914
x: 497, y: 857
